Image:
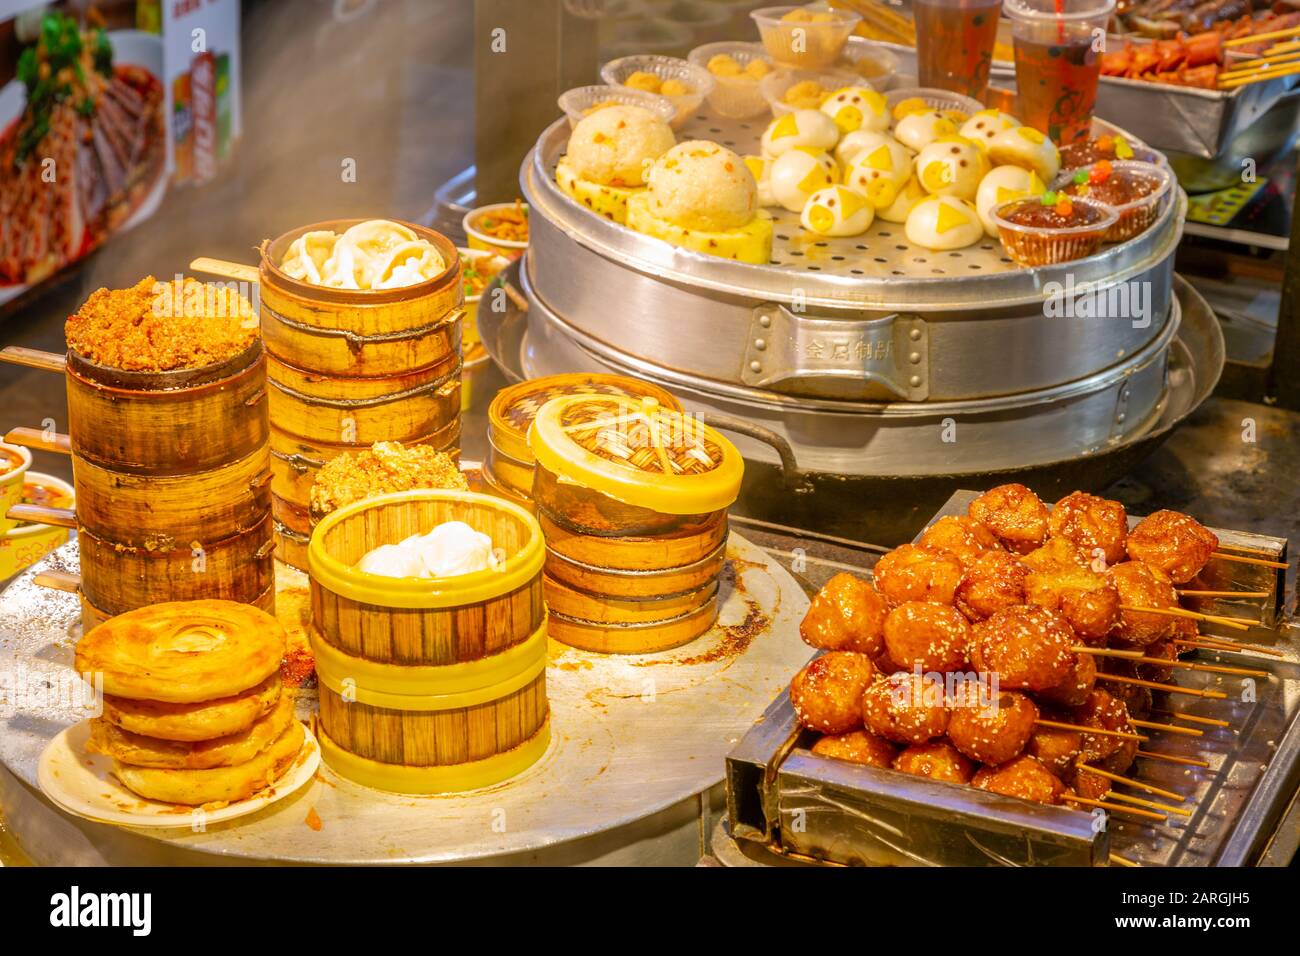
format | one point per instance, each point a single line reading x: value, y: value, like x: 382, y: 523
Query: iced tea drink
x: 954, y: 43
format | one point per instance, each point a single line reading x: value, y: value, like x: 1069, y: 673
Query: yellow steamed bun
x: 614, y: 145
x: 701, y: 185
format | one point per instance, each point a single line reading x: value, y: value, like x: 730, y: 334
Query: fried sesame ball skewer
x: 1130, y: 782
x: 1239, y: 623
x: 1156, y: 685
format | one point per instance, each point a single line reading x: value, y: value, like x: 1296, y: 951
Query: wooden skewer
x: 1206, y: 668
x: 1170, y: 758
x: 1248, y: 66
x: 1284, y: 47
x: 1239, y: 623
x: 1137, y: 784
x: 1162, y: 807
x: 1123, y: 861
x: 1257, y: 37
x: 1153, y: 725
x: 1116, y: 807
x: 1058, y: 725
x: 58, y: 581
x: 43, y: 514
x: 1107, y: 652
x: 1227, y: 594
x: 1242, y: 559
x: 227, y: 270
x: 1215, y: 644
x: 34, y: 358
x: 1193, y: 718
x: 39, y: 440
x: 1171, y: 688
x: 1268, y: 73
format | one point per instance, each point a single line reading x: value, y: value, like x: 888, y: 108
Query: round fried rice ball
x: 857, y: 746
x: 1028, y: 647
x: 914, y: 573
x: 1015, y: 514
x: 1176, y: 543
x: 1023, y: 777
x: 934, y: 637
x: 994, y: 733
x: 960, y: 535
x: 1055, y: 749
x: 993, y: 581
x: 905, y: 708
x: 938, y: 760
x: 827, y: 693
x: 846, y: 615
x: 1141, y: 585
x: 1076, y: 686
x: 1092, y: 524
x: 1086, y: 599
x: 1103, y: 711
x: 1056, y: 554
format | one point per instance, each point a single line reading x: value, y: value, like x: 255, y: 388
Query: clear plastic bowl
x: 734, y: 97
x: 578, y: 101
x: 695, y: 77
x: 934, y: 98
x: 1136, y: 217
x: 775, y: 84
x: 1045, y: 245
x: 870, y: 61
x: 805, y: 46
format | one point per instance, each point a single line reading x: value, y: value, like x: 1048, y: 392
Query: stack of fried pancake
x: 194, y: 711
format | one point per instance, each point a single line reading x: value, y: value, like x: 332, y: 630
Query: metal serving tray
x: 781, y: 795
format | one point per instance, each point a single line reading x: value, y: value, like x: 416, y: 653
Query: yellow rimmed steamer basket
x: 146, y: 446
x: 508, y: 468
x: 349, y: 368
x: 632, y: 498
x: 429, y: 686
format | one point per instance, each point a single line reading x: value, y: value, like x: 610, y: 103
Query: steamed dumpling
x: 1003, y: 184
x: 1027, y: 147
x: 860, y: 141
x: 907, y: 199
x: 986, y: 124
x: 857, y: 107
x: 837, y: 211
x: 951, y: 166
x: 801, y: 128
x: 942, y: 223
x: 798, y: 174
x: 916, y: 131
x: 879, y: 173
x: 392, y: 561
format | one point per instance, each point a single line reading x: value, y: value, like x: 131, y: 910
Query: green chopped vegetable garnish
x: 1081, y: 177
x: 1049, y: 198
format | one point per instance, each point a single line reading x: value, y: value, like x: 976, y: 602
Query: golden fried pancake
x: 140, y: 751
x: 219, y: 785
x: 183, y: 651
x: 205, y: 720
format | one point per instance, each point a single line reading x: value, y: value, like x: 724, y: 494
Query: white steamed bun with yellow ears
x: 907, y: 199
x: 984, y: 125
x: 860, y: 141
x: 608, y: 154
x: 798, y: 174
x: 837, y: 211
x: 880, y: 172
x: 1027, y: 147
x: 760, y: 167
x: 951, y: 166
x: 942, y: 223
x: 1003, y: 184
x: 857, y: 107
x: 702, y: 196
x: 918, y: 130
x: 799, y: 128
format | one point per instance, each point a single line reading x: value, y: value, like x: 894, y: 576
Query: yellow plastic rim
x: 665, y: 493
x: 452, y: 778
x: 428, y: 688
x: 516, y: 571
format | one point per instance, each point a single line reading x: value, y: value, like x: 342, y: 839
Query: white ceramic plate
x: 82, y: 783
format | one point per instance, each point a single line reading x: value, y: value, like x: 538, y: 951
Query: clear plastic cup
x: 695, y: 79
x: 1058, y: 46
x: 1031, y: 244
x: 1137, y: 215
x: 954, y: 44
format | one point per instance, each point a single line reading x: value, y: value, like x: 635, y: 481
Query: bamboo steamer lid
x: 638, y: 452
x: 513, y: 409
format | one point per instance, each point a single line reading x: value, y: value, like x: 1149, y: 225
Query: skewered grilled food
x: 1175, y: 543
x: 846, y: 615
x: 1092, y: 524
x: 991, y: 732
x: 1027, y: 646
x: 1015, y: 514
x: 1076, y: 686
x: 1103, y: 711
x: 993, y: 581
x: 1055, y: 553
x: 1141, y: 585
x: 1055, y: 748
x: 914, y: 573
x: 938, y: 760
x: 906, y: 708
x: 1023, y: 777
x: 827, y: 693
x: 1085, y: 599
x: 857, y: 746
x: 934, y: 637
x: 960, y: 535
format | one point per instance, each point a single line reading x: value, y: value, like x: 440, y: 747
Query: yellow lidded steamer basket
x: 509, y: 465
x: 632, y: 498
x: 429, y: 686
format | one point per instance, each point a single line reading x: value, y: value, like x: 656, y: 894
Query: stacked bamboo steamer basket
x: 350, y: 368
x: 146, y: 447
x: 508, y: 468
x: 429, y: 686
x: 632, y: 498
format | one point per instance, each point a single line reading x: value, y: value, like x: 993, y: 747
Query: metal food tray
x: 802, y: 805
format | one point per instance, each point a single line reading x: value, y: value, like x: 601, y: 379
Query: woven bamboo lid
x: 638, y: 452
x: 514, y: 408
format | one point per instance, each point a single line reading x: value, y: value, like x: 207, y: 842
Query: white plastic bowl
x: 576, y: 102
x: 734, y: 97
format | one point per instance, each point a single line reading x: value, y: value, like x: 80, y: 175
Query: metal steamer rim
x: 878, y: 270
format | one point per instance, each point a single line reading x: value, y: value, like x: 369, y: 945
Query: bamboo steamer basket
x: 116, y: 578
x: 509, y: 463
x: 429, y: 686
x: 360, y: 334
x: 290, y: 546
x: 632, y: 499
